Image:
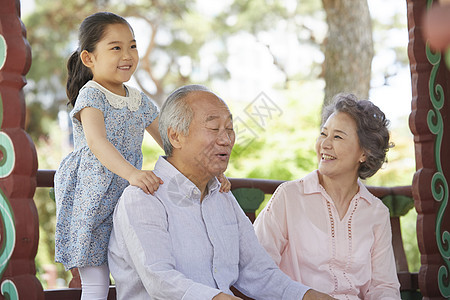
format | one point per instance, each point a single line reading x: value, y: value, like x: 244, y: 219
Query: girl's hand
x: 146, y: 180
x: 225, y: 186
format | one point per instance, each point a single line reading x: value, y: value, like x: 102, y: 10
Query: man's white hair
x: 177, y: 114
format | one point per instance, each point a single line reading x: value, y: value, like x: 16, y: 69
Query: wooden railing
x: 408, y: 281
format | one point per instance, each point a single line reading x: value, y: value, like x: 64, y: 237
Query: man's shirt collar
x: 176, y: 183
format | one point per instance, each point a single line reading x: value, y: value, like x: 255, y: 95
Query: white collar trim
x: 132, y: 100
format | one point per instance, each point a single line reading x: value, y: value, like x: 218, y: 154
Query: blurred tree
x: 348, y: 48
x: 267, y: 20
x: 175, y: 35
x: 178, y: 31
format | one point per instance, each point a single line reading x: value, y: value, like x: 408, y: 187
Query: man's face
x: 206, y: 149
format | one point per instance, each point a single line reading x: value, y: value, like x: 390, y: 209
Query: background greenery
x: 284, y: 150
x: 194, y: 42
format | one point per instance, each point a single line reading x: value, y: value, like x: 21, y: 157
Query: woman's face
x: 337, y: 147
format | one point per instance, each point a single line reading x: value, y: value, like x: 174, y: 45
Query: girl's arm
x: 94, y: 128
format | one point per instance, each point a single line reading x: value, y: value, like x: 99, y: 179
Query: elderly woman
x: 327, y: 230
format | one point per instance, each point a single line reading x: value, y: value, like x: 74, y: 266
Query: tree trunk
x: 348, y: 48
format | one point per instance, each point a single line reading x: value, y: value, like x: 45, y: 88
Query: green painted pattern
x: 9, y: 290
x: 8, y: 160
x: 439, y: 184
x: 9, y: 234
x: 3, y: 51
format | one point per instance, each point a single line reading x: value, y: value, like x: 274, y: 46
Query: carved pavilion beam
x: 19, y: 228
x: 428, y: 120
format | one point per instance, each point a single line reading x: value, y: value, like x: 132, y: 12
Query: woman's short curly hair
x: 372, y: 129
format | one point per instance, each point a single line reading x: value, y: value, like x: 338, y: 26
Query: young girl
x: 109, y: 121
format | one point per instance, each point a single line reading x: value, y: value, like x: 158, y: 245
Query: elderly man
x: 188, y: 240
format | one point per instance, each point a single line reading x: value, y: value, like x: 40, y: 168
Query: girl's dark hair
x: 91, y: 31
x: 372, y: 130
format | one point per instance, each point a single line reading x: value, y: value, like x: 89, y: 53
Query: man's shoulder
x: 228, y: 199
x: 228, y: 196
x: 134, y: 197
x: 131, y: 191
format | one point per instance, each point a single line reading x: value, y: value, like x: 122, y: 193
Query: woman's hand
x: 146, y: 180
x: 315, y: 295
x: 225, y: 184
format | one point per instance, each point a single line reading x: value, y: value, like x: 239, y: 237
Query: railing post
x: 18, y: 164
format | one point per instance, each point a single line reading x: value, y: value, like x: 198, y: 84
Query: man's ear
x: 175, y: 138
x: 86, y: 58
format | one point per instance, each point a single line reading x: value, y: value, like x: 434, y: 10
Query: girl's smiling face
x: 337, y: 147
x: 114, y: 59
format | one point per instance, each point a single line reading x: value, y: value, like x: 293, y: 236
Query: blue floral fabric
x: 86, y: 192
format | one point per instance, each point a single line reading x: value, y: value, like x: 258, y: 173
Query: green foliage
x: 50, y: 153
x: 400, y: 166
x: 174, y: 30
x: 409, y: 236
x: 46, y: 249
x: 447, y: 58
x: 398, y: 205
x: 181, y: 33
x: 249, y: 199
x: 39, y: 120
x: 284, y: 148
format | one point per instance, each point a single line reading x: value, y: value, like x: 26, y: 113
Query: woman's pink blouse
x: 350, y: 258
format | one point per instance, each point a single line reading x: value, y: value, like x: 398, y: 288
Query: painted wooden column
x: 429, y: 120
x: 19, y: 228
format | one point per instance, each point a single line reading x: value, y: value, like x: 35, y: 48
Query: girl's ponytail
x: 78, y: 75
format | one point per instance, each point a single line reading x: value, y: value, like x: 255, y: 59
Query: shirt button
x: 195, y: 192
x: 215, y: 270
